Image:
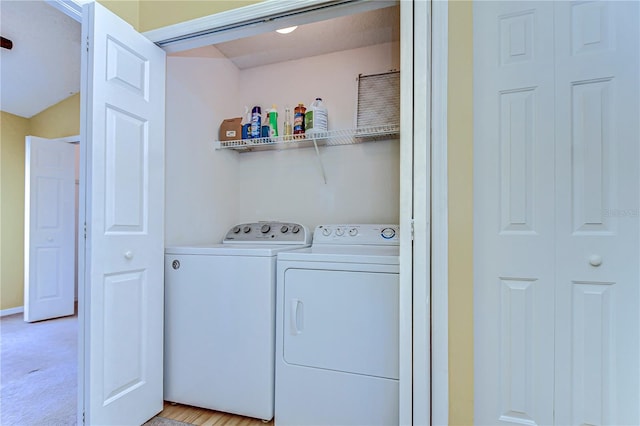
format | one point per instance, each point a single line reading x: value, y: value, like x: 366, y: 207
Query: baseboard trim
x: 12, y: 311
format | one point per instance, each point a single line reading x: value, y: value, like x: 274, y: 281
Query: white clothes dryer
x: 337, y: 328
x: 220, y: 319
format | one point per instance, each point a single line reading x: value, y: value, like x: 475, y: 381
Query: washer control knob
x: 388, y: 233
x: 339, y: 232
x: 326, y: 232
x: 353, y: 232
x: 246, y: 229
x: 235, y: 229
x: 295, y: 229
x: 265, y: 228
x: 284, y: 229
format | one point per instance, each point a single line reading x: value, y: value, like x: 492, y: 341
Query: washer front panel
x: 220, y: 332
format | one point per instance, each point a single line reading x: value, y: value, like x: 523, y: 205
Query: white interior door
x: 122, y: 290
x: 556, y: 202
x: 49, y: 244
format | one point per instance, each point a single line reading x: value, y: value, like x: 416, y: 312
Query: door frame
x: 434, y: 229
x: 439, y: 214
x: 424, y: 371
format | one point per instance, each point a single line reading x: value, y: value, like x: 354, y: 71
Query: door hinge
x: 87, y: 44
x: 85, y: 230
x: 412, y: 229
x: 83, y: 417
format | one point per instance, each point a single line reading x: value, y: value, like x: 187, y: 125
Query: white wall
x: 208, y: 191
x: 331, y: 77
x: 362, y: 185
x: 362, y: 180
x: 201, y: 183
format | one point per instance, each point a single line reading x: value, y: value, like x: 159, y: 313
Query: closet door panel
x: 597, y: 204
x: 513, y: 226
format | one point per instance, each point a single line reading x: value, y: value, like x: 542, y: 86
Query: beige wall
x: 129, y: 10
x: 60, y: 120
x: 460, y: 166
x: 13, y: 130
x: 145, y: 15
x: 157, y: 14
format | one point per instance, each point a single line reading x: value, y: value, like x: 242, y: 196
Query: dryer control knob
x: 326, y: 232
x: 353, y: 232
x: 388, y: 233
x: 235, y: 229
x: 284, y: 229
x: 295, y: 229
x: 339, y: 232
x: 265, y: 229
x: 246, y: 229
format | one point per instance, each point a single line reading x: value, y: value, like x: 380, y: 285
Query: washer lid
x: 381, y: 255
x: 228, y: 249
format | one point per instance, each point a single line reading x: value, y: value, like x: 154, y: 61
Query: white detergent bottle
x: 316, y: 119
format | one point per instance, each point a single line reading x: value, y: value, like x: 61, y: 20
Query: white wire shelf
x: 329, y: 138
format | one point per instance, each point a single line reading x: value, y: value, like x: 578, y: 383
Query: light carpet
x: 38, y: 371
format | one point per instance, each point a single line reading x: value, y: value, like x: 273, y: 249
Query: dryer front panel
x: 341, y: 320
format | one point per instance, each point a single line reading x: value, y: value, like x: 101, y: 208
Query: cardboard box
x: 230, y: 129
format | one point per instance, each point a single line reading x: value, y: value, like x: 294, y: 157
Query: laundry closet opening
x: 208, y: 190
x: 348, y: 174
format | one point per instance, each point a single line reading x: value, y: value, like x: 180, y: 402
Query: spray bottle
x: 273, y: 121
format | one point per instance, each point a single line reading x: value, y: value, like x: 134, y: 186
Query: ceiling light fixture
x: 286, y: 30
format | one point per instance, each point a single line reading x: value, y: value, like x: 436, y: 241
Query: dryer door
x: 342, y: 320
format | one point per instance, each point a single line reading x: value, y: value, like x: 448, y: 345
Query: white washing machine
x: 220, y: 319
x: 337, y: 328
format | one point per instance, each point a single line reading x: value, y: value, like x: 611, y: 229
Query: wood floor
x: 204, y: 417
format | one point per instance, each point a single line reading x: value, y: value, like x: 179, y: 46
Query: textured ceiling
x: 348, y: 32
x: 43, y: 68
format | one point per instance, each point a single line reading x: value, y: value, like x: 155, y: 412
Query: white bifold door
x: 556, y: 212
x: 122, y: 258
